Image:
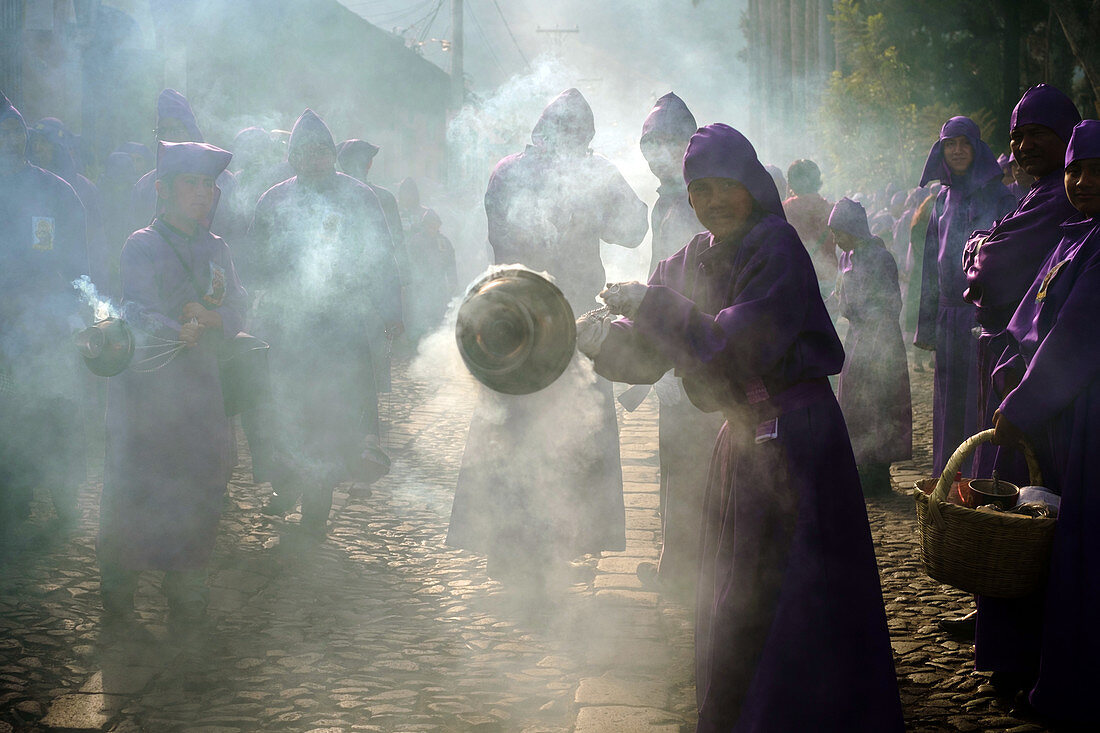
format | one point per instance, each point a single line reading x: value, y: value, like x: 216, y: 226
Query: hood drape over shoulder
x: 567, y: 124
x: 984, y: 167
x: 670, y: 119
x: 1047, y: 106
x: 719, y: 151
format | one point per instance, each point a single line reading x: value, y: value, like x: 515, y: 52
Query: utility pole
x: 458, y: 82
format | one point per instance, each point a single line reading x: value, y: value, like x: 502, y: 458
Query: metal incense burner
x: 107, y: 346
x: 515, y: 331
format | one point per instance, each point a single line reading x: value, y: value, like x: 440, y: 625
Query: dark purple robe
x: 168, y: 440
x: 1054, y: 353
x: 790, y: 628
x: 946, y: 322
x: 873, y: 389
x: 999, y: 270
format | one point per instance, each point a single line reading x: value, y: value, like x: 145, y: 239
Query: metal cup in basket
x: 994, y: 554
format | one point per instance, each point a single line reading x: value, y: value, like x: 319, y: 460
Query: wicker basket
x: 991, y: 554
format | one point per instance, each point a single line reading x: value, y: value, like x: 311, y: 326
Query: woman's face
x: 1083, y: 185
x: 722, y: 205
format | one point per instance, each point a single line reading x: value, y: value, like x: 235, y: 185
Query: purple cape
x: 672, y: 220
x: 786, y: 549
x: 173, y: 105
x: 719, y: 151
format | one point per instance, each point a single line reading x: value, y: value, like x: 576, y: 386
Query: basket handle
x: 939, y: 494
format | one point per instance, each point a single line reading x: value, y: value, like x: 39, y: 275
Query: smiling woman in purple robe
x: 790, y: 629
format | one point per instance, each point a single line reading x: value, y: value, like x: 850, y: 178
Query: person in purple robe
x: 42, y: 251
x: 1000, y: 262
x: 1050, y: 377
x: 259, y: 162
x: 176, y: 123
x: 873, y: 389
x: 329, y: 301
x: 168, y: 438
x: 790, y: 627
x: 49, y: 149
x: 972, y: 198
x: 548, y: 208
x: 686, y: 434
x: 432, y: 278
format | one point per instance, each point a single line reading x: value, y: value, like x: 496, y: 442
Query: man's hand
x: 591, y: 332
x: 624, y: 299
x: 1005, y: 432
x: 190, y: 332
x: 206, y: 318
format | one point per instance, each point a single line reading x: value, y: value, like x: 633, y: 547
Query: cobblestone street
x: 380, y: 627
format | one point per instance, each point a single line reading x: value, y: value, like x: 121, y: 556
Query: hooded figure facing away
x: 873, y: 389
x: 686, y: 434
x: 42, y: 250
x: 790, y: 631
x: 168, y: 439
x: 541, y: 479
x: 972, y: 198
x: 328, y: 299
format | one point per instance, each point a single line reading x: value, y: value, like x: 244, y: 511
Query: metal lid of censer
x: 515, y: 331
x: 107, y: 346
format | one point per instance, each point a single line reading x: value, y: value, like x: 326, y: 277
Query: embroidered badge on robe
x: 215, y: 294
x: 1047, y: 280
x: 42, y: 232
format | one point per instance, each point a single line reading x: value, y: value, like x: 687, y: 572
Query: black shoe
x: 961, y: 627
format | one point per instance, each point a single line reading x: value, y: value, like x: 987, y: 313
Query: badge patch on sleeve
x: 42, y: 233
x: 1047, y: 280
x: 215, y: 294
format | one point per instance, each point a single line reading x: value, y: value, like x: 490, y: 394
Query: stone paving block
x: 629, y: 653
x: 642, y: 501
x: 619, y: 719
x: 618, y: 564
x: 120, y: 680
x: 627, y: 597
x: 632, y: 691
x: 617, y: 580
x: 80, y: 712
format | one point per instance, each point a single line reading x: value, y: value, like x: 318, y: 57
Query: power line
x: 513, y: 35
x: 485, y: 36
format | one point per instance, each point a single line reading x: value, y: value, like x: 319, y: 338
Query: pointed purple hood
x: 567, y: 124
x: 172, y: 104
x: 1084, y: 142
x: 984, y: 167
x: 850, y: 216
x: 719, y: 151
x: 1047, y: 106
x: 53, y: 131
x: 355, y: 152
x: 200, y: 158
x: 309, y: 128
x: 670, y: 119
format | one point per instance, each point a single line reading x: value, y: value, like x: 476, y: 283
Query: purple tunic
x: 168, y: 440
x: 1057, y: 404
x: 873, y: 390
x: 786, y: 548
x: 946, y: 322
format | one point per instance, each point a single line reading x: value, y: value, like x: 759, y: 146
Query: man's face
x: 1083, y: 185
x: 722, y: 205
x: 171, y: 130
x: 665, y: 157
x: 190, y: 197
x: 958, y: 153
x: 43, y: 151
x: 313, y: 161
x: 13, y: 142
x: 1037, y: 149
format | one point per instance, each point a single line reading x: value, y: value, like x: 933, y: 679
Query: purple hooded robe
x: 1051, y: 373
x: 320, y: 252
x: 168, y: 441
x: 42, y: 250
x: 1000, y: 268
x: 790, y: 628
x: 946, y: 322
x: 143, y: 199
x: 686, y: 435
x: 873, y: 389
x: 548, y: 208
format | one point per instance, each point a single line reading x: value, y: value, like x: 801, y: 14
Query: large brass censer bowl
x: 515, y: 331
